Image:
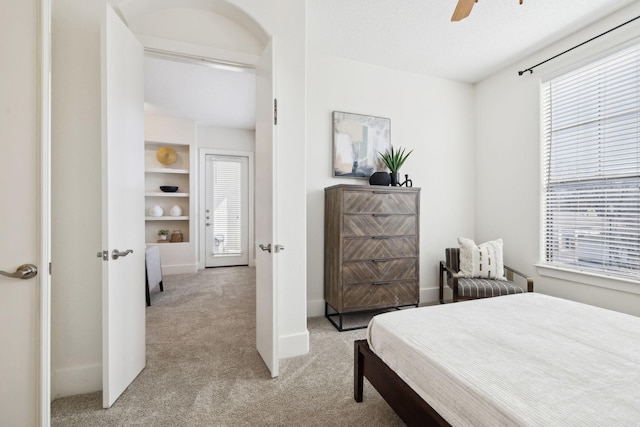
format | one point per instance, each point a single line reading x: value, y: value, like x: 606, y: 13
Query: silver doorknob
x: 265, y: 248
x: 25, y: 271
x: 117, y: 254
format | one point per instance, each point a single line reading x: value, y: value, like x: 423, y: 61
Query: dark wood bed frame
x: 403, y: 399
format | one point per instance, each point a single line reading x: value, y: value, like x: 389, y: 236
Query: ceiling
x: 207, y: 95
x: 410, y: 35
x: 418, y: 36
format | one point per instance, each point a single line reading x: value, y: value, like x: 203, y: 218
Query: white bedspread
x: 524, y: 359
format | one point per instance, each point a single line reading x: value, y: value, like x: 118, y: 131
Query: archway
x: 79, y: 309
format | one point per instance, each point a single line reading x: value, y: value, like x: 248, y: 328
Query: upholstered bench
x: 471, y: 288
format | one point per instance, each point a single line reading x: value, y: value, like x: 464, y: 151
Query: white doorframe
x: 44, y: 233
x: 44, y: 304
x: 201, y: 198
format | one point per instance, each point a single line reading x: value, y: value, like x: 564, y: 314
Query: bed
x: 524, y: 359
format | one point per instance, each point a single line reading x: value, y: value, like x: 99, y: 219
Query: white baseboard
x: 429, y: 296
x: 293, y: 345
x: 72, y: 381
x: 315, y: 308
x: 179, y: 269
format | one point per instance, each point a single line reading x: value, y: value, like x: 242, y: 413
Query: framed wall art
x: 357, y: 140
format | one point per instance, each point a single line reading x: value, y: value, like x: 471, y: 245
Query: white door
x: 23, y: 215
x: 266, y: 232
x: 226, y: 210
x: 123, y: 296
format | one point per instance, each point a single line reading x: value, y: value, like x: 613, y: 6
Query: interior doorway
x: 221, y: 103
x: 226, y: 211
x: 77, y: 317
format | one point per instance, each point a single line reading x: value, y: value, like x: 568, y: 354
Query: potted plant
x: 394, y: 159
x: 163, y: 234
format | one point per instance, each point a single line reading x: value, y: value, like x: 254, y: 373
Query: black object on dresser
x: 371, y: 250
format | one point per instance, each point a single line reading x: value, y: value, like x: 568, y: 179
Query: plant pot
x: 395, y: 179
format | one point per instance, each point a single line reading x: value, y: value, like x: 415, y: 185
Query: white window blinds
x: 227, y: 202
x: 591, y: 177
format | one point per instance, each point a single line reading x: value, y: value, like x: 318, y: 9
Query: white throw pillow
x: 483, y: 260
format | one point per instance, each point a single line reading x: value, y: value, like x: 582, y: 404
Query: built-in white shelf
x: 161, y: 194
x: 167, y: 170
x: 167, y: 242
x: 178, y: 174
x: 166, y: 218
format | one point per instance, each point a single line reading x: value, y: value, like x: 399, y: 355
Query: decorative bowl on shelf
x: 168, y: 188
x: 166, y: 155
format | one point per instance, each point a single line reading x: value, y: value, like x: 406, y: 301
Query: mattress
x: 524, y: 359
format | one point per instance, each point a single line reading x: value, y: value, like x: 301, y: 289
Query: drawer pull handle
x: 381, y: 237
x: 379, y: 260
x: 381, y: 283
x: 380, y: 215
x: 382, y: 192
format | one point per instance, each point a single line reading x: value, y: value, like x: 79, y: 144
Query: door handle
x: 117, y: 254
x: 276, y: 248
x: 25, y: 271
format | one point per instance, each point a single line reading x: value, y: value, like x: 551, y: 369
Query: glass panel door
x: 226, y: 211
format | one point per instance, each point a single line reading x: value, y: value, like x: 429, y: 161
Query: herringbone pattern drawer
x: 379, y: 225
x: 379, y: 201
x: 368, y: 296
x: 379, y: 270
x: 379, y: 247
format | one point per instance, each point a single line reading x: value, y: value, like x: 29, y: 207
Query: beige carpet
x: 203, y: 368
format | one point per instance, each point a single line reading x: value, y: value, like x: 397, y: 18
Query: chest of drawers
x: 371, y: 248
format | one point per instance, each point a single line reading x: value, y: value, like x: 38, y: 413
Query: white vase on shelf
x: 156, y: 211
x: 176, y: 210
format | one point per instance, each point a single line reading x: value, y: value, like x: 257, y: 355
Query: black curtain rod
x: 530, y: 69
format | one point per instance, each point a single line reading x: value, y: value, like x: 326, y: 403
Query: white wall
x: 508, y: 164
x: 286, y: 19
x: 432, y: 116
x: 76, y: 279
x: 204, y: 28
x: 226, y: 139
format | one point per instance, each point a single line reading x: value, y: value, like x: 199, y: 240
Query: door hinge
x: 275, y: 111
x: 49, y: 269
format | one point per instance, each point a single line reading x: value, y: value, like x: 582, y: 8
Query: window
x: 591, y: 166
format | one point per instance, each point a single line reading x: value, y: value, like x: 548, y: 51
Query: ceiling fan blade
x: 463, y: 9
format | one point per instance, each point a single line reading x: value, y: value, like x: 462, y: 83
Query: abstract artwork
x: 357, y: 140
